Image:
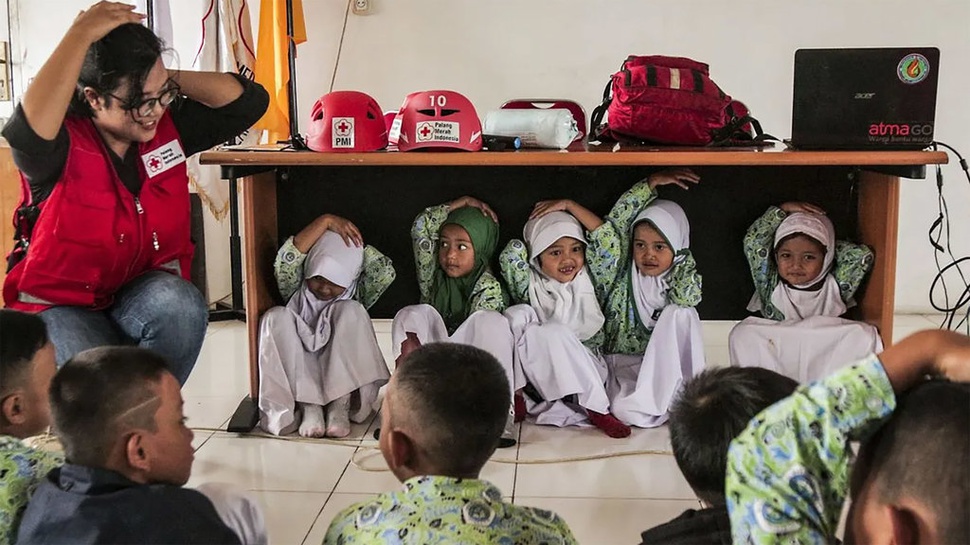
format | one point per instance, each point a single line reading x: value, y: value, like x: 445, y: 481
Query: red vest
x: 93, y: 236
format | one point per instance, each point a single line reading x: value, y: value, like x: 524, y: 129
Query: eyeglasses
x: 147, y: 106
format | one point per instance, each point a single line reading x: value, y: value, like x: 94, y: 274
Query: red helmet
x: 346, y: 121
x: 438, y: 119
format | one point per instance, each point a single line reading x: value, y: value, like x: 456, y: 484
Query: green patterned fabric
x: 376, y: 273
x: 625, y: 334
x: 21, y: 469
x: 451, y: 296
x: 788, y: 471
x: 487, y: 293
x: 435, y: 509
x: 852, y: 262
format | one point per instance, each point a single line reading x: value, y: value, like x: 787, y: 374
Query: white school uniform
x: 550, y: 330
x: 484, y: 329
x: 314, y: 351
x: 812, y: 341
x: 641, y: 388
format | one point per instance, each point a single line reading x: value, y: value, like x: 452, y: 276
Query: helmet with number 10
x: 438, y: 120
x: 346, y: 121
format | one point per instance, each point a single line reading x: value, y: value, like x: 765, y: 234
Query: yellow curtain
x: 272, y: 70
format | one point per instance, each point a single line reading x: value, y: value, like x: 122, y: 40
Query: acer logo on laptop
x: 900, y: 129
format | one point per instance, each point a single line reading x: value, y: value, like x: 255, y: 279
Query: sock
x: 313, y: 424
x: 519, y: 407
x: 338, y: 417
x: 408, y: 345
x: 609, y: 424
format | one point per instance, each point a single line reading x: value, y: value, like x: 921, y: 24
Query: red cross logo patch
x: 342, y: 135
x: 154, y: 163
x: 425, y: 132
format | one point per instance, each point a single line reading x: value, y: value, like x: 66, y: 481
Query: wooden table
x: 383, y: 191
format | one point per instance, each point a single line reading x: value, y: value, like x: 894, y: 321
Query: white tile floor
x: 303, y: 485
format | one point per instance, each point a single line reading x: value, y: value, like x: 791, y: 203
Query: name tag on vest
x: 163, y: 158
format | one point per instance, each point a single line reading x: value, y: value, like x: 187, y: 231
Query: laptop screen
x: 873, y: 98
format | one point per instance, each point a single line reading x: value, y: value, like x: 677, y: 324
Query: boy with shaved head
x: 118, y: 413
x: 26, y: 368
x: 443, y: 414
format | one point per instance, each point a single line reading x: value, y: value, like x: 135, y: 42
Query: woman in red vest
x: 101, y: 138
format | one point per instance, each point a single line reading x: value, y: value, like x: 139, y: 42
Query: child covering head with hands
x: 319, y: 362
x: 461, y: 299
x: 805, y: 281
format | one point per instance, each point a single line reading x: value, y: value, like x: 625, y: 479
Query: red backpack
x: 671, y: 100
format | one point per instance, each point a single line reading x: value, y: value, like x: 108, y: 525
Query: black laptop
x: 878, y: 98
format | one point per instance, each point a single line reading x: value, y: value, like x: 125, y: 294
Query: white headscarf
x: 650, y: 292
x: 574, y: 303
x: 331, y: 258
x: 795, y: 301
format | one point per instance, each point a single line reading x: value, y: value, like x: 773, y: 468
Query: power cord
x: 368, y: 450
x: 957, y: 314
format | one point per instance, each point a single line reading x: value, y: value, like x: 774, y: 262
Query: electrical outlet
x: 360, y: 7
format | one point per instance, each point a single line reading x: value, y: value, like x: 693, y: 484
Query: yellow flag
x: 272, y: 68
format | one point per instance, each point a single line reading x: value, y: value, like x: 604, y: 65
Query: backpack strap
x: 24, y: 219
x: 733, y: 133
x: 597, y: 128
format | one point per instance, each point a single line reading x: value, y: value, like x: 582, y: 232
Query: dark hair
x: 709, y: 412
x: 126, y: 54
x: 460, y: 396
x: 803, y: 235
x: 102, y: 393
x: 923, y: 453
x: 21, y: 336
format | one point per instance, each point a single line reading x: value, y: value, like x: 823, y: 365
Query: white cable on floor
x: 369, y: 451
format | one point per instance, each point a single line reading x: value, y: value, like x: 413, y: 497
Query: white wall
x: 501, y: 49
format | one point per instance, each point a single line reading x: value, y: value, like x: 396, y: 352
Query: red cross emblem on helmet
x: 346, y: 121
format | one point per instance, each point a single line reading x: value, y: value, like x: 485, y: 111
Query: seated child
x: 318, y: 355
x: 444, y: 411
x: 557, y: 325
x: 653, y: 332
x: 788, y: 473
x: 461, y: 300
x: 118, y: 413
x: 27, y: 364
x: 804, y: 280
x: 710, y: 411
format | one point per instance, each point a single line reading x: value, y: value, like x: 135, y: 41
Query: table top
x: 578, y: 155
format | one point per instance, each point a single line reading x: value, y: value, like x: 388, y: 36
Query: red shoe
x: 408, y: 345
x: 609, y: 424
x: 519, y: 408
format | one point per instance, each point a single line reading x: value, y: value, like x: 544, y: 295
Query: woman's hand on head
x: 545, y: 207
x: 345, y: 228
x: 475, y: 203
x: 792, y: 207
x: 673, y: 176
x: 101, y: 18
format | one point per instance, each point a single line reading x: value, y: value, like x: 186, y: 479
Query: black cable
x: 938, y: 230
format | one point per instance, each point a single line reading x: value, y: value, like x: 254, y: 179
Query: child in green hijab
x: 461, y: 300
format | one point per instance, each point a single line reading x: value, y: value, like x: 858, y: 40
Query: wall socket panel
x: 361, y: 7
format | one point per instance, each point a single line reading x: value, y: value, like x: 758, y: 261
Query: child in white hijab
x: 804, y: 281
x: 319, y: 362
x: 653, y: 330
x: 558, y: 324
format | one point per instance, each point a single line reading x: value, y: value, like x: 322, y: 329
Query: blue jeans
x: 157, y: 310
